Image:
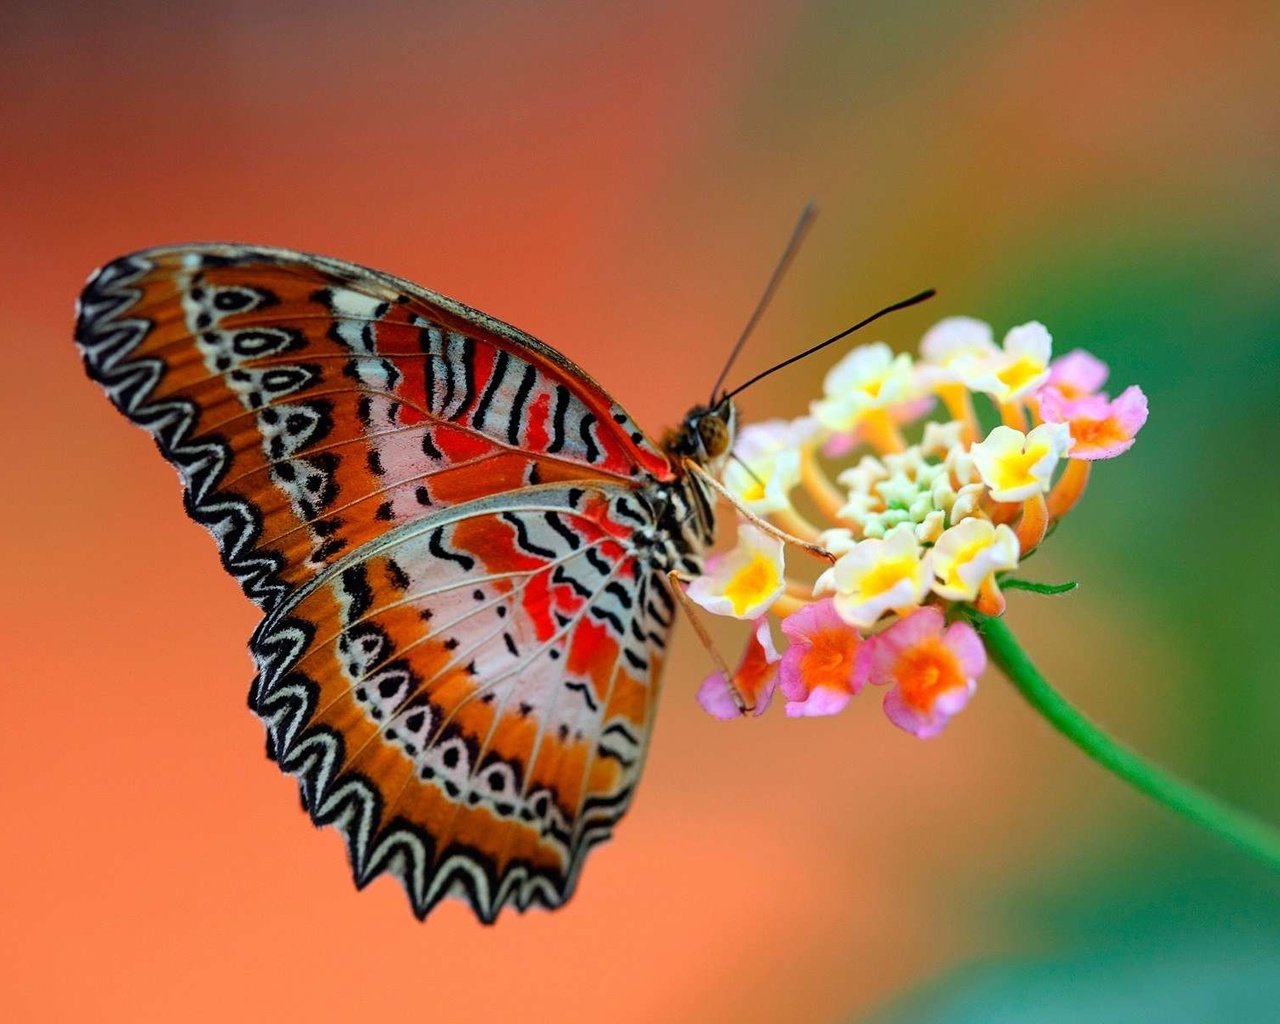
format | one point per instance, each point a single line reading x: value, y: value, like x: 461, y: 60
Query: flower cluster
x: 916, y: 532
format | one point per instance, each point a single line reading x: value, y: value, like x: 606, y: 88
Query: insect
x: 461, y: 545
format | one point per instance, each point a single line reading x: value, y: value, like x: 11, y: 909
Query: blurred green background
x: 617, y: 179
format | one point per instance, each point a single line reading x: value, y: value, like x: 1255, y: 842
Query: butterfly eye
x: 713, y: 432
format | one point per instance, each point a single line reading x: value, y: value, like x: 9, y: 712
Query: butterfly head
x: 706, y: 435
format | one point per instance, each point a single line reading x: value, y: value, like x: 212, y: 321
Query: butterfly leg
x: 678, y: 583
x: 817, y: 550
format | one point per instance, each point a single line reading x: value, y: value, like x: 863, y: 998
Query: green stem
x: 1245, y: 831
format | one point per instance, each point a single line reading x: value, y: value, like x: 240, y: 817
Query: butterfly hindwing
x: 461, y: 648
x: 469, y: 697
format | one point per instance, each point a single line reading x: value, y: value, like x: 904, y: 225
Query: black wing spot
x: 516, y: 415
x: 557, y: 420
x: 585, y: 690
x: 396, y: 575
x: 436, y: 546
x: 495, y: 382
x: 584, y: 429
x: 556, y: 523
x: 523, y: 539
x: 355, y: 583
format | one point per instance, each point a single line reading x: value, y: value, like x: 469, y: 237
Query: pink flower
x: 933, y: 671
x: 1077, y: 374
x: 1100, y: 428
x: 755, y: 679
x: 823, y: 665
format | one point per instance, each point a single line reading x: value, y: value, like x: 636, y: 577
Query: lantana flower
x: 932, y: 670
x: 1015, y: 466
x: 968, y: 554
x: 877, y: 576
x: 744, y: 582
x: 1077, y: 374
x: 766, y: 466
x: 755, y: 679
x: 1100, y: 428
x: 823, y: 667
x: 1020, y: 368
x: 867, y: 391
x: 956, y: 350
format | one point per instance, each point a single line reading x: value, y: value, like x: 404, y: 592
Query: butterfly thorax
x: 685, y: 507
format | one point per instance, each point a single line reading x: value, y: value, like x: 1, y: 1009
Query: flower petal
x: 744, y: 582
x: 716, y: 698
x: 1077, y: 374
x: 1100, y: 429
x: 824, y: 653
x: 755, y: 678
x: 931, y: 672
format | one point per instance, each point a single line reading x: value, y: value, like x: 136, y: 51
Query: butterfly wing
x: 460, y: 655
x: 309, y: 403
x: 469, y: 697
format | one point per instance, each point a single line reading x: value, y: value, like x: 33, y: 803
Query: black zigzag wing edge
x: 285, y: 699
x: 108, y: 339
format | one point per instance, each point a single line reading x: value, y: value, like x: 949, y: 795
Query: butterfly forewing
x: 330, y: 400
x: 461, y: 650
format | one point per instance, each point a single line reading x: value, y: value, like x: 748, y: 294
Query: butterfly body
x: 460, y: 543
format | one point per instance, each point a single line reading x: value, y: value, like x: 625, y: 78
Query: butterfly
x: 461, y: 546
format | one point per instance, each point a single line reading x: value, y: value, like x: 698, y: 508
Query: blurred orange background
x: 617, y: 179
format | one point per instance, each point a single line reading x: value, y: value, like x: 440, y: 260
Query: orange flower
x: 755, y: 679
x: 933, y: 671
x: 822, y: 667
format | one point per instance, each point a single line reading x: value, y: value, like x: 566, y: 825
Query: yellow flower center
x: 752, y: 583
x: 1013, y: 469
x: 963, y: 557
x: 754, y: 491
x: 1016, y: 374
x: 1089, y: 434
x: 927, y: 671
x: 885, y: 575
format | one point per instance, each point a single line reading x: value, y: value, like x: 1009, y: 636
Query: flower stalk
x: 1245, y: 831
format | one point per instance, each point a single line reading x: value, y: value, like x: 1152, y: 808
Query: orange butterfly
x: 459, y: 541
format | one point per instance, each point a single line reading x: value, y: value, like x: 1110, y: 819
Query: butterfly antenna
x: 930, y: 293
x: 788, y: 254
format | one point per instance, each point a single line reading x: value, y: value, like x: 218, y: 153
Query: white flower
x: 968, y: 553
x: 876, y: 576
x: 869, y: 378
x: 837, y: 540
x: 1015, y: 466
x: 1020, y: 368
x: 767, y: 463
x: 968, y: 502
x: 744, y: 582
x: 941, y: 438
x: 956, y: 351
